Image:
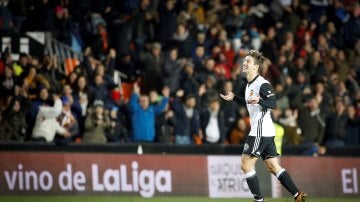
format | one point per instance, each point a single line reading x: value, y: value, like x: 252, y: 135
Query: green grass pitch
x: 156, y: 199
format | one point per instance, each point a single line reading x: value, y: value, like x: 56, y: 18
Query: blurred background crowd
x: 174, y: 58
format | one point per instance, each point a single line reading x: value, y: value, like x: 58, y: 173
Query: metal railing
x: 63, y: 52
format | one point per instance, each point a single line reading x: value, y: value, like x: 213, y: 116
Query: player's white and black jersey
x: 260, y: 117
x: 260, y: 141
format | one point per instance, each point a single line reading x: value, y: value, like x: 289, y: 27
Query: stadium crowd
x: 177, y: 56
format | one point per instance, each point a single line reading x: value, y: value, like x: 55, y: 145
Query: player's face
x: 249, y: 66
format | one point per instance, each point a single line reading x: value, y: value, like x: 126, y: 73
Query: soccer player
x: 260, y: 99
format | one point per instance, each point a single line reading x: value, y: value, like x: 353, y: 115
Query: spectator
x: 143, y: 114
x: 312, y: 124
x: 183, y: 40
x: 117, y: 132
x: 164, y: 125
x: 352, y: 127
x: 336, y: 125
x: 171, y: 71
x: 188, y: 81
x: 14, y: 116
x: 46, y: 124
x: 201, y: 48
x: 230, y: 109
x: 238, y: 133
x: 51, y: 72
x: 153, y: 62
x: 281, y: 96
x: 188, y: 119
x: 292, y: 131
x: 68, y: 121
x: 42, y: 99
x: 212, y: 122
x: 74, y: 104
x: 82, y: 96
x: 167, y: 17
x: 143, y: 25
x: 270, y: 46
x: 96, y: 123
x: 100, y: 91
x: 129, y: 67
x: 8, y: 81
x: 350, y: 30
x: 205, y: 71
x: 63, y: 25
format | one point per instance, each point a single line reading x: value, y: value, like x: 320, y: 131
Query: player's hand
x: 254, y: 100
x: 229, y: 96
x: 67, y: 134
x: 136, y: 88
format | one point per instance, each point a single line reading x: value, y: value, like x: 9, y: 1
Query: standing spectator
x: 269, y: 46
x: 100, y: 91
x: 281, y: 96
x: 63, y: 25
x: 96, y: 124
x: 68, y: 121
x: 167, y: 17
x: 207, y: 70
x: 312, y: 124
x: 213, y: 123
x: 15, y: 117
x: 336, y: 125
x: 117, y: 132
x: 153, y: 62
x: 234, y: 19
x: 143, y: 114
x: 41, y: 99
x: 351, y: 29
x: 51, y: 71
x: 75, y: 104
x: 171, y: 71
x: 165, y: 123
x: 183, y: 40
x: 198, y: 56
x: 188, y: 81
x: 129, y: 67
x: 353, y: 127
x: 143, y: 24
x: 82, y: 96
x: 46, y: 124
x: 188, y: 119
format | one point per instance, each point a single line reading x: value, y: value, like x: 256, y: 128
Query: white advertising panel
x: 226, y: 180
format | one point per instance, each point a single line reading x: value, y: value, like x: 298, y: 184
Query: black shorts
x: 264, y: 147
